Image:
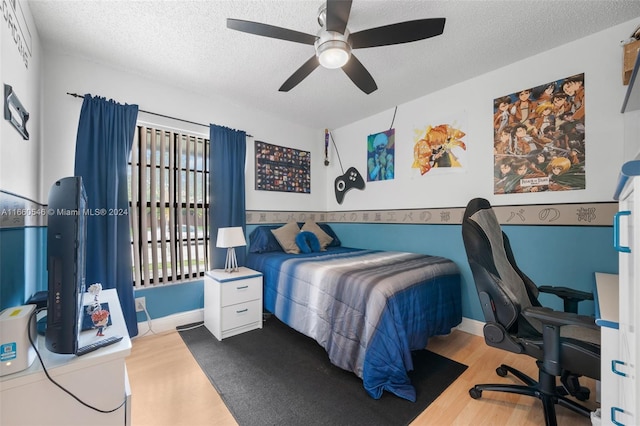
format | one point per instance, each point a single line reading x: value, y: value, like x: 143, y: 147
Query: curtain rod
x: 75, y: 95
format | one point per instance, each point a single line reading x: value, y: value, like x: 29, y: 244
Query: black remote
x: 97, y: 345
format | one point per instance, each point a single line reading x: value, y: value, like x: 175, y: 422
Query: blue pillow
x: 307, y: 242
x: 326, y: 228
x: 262, y: 240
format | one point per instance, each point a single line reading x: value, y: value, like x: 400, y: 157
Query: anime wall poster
x: 380, y: 155
x: 439, y: 147
x: 284, y: 169
x: 539, y: 138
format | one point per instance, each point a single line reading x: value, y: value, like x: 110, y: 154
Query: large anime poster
x: 539, y: 138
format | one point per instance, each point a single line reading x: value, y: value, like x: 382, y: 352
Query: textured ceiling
x: 187, y: 44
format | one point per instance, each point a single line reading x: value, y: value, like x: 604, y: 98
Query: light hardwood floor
x: 169, y: 388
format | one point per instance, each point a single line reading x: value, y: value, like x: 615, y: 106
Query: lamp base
x: 231, y: 263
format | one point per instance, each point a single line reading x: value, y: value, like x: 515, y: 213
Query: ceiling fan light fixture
x: 333, y: 54
x: 333, y: 42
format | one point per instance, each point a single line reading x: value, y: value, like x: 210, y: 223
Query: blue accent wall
x: 167, y: 300
x: 23, y: 268
x: 550, y: 255
x: 12, y: 276
x: 23, y: 272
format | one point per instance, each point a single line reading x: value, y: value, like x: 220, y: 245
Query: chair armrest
x: 570, y: 297
x: 566, y: 292
x: 552, y: 322
x: 551, y: 317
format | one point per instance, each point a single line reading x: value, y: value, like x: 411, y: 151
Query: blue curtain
x: 103, y: 145
x: 227, y: 152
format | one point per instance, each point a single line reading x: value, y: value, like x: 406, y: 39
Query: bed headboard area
x: 263, y: 240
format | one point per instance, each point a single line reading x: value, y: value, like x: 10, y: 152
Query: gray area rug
x: 277, y: 376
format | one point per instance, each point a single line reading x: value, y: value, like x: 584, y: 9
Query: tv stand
x: 99, y: 379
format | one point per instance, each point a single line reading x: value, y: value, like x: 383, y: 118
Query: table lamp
x: 230, y: 238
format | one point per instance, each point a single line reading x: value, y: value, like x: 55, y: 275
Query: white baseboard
x: 170, y: 322
x: 471, y: 326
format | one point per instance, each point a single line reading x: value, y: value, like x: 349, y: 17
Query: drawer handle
x: 242, y: 311
x: 616, y: 231
x: 614, y: 364
x: 242, y: 287
x: 615, y: 410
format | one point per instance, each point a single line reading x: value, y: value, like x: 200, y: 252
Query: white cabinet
x: 607, y: 317
x: 98, y: 378
x: 626, y: 410
x: 232, y: 301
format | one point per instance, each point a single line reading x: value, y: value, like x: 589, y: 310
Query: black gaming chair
x: 565, y: 344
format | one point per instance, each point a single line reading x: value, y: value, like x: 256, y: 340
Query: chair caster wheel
x: 475, y: 393
x: 583, y: 394
x: 501, y: 371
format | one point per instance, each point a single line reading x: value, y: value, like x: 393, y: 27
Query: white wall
x: 598, y: 56
x: 64, y: 73
x: 20, y: 68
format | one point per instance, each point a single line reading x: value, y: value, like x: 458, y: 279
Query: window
x: 169, y: 201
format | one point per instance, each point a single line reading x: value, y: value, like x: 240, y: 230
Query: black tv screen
x: 66, y: 239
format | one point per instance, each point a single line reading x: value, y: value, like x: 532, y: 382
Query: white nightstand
x: 232, y: 301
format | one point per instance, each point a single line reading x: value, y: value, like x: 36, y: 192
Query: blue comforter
x: 369, y: 309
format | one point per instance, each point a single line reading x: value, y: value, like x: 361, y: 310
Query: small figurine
x: 94, y: 289
x: 100, y: 319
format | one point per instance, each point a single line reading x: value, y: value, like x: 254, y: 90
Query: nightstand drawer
x: 241, y: 314
x: 238, y: 291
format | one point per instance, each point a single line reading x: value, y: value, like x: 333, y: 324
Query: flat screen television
x: 66, y: 237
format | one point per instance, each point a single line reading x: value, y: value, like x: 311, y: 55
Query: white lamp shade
x: 230, y: 237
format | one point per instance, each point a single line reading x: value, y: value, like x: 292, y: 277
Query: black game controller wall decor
x: 351, y: 179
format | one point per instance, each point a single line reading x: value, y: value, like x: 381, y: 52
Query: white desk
x: 98, y: 378
x: 607, y: 295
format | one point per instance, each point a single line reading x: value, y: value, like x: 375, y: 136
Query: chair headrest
x: 475, y: 206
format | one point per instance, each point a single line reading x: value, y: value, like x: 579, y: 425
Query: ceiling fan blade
x: 300, y: 74
x: 359, y: 75
x: 337, y: 15
x: 267, y: 30
x: 402, y: 32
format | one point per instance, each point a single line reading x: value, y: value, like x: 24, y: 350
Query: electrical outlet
x: 141, y: 304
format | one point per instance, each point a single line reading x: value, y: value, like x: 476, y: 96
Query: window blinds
x: 169, y: 182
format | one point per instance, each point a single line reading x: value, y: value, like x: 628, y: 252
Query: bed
x: 367, y: 308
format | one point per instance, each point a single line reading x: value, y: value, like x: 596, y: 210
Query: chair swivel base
x: 544, y: 389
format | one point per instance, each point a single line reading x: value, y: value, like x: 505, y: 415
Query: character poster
x: 380, y: 155
x: 279, y: 168
x: 439, y: 147
x: 539, y: 138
